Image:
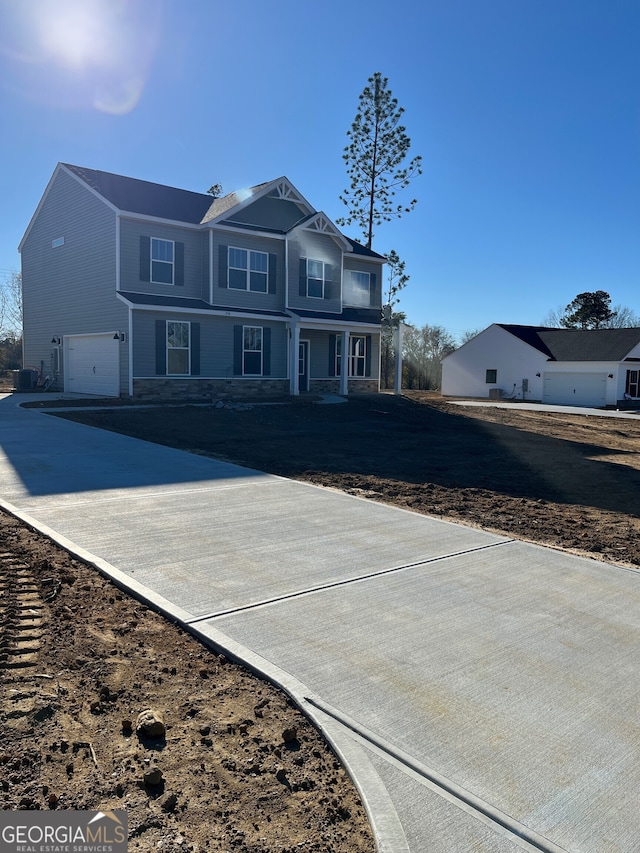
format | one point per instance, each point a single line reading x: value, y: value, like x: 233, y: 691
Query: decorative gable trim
x: 280, y: 188
x: 287, y: 192
x: 321, y: 224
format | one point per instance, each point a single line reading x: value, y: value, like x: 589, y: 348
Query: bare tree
x: 468, y: 335
x: 11, y: 305
x: 423, y: 351
x: 11, y: 322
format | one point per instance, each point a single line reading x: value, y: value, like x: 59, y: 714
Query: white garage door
x: 575, y: 389
x: 94, y: 365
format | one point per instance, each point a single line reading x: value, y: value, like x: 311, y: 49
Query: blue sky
x: 526, y: 114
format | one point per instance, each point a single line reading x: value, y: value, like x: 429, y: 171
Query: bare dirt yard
x: 237, y: 768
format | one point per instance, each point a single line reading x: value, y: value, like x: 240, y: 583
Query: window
x: 632, y: 387
x: 248, y: 270
x: 315, y: 279
x: 491, y: 377
x: 357, y: 356
x: 178, y: 348
x: 252, y: 350
x: 357, y: 289
x: 162, y: 256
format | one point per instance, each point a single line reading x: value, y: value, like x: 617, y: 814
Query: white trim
x: 285, y: 188
x: 247, y: 270
x: 322, y: 279
x: 254, y: 232
x: 167, y: 348
x: 344, y: 362
x: 130, y: 346
x: 174, y: 223
x: 160, y: 261
x: 261, y: 351
x: 321, y: 224
x: 118, y: 264
x: 380, y: 259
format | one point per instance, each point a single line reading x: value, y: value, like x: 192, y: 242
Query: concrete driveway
x: 482, y: 691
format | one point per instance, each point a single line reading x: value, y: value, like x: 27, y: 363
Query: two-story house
x: 140, y: 290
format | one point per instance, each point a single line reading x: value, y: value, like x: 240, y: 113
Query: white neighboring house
x: 570, y: 367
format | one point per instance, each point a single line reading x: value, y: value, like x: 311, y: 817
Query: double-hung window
x: 633, y: 383
x: 248, y: 270
x: 252, y: 350
x: 162, y: 261
x: 357, y: 355
x: 315, y: 279
x: 358, y: 289
x: 178, y: 350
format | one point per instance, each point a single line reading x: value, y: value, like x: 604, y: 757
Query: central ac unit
x: 495, y: 393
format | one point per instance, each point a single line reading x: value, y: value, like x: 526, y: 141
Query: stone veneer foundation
x: 206, y: 389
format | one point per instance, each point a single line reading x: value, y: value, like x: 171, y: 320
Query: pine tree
x: 374, y: 156
x: 588, y: 310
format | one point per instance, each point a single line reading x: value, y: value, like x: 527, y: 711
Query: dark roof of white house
x: 577, y: 344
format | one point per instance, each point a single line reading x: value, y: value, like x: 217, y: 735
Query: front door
x: 303, y: 367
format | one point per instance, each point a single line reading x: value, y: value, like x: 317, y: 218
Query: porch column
x: 344, y: 365
x: 294, y: 344
x: 397, y: 385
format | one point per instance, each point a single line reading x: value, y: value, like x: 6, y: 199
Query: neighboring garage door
x: 575, y: 389
x: 93, y: 365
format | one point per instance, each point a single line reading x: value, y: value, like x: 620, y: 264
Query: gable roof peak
x: 230, y: 204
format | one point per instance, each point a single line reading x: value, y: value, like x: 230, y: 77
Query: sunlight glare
x: 77, y: 33
x: 84, y: 52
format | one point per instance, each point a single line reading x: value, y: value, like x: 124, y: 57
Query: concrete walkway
x: 483, y: 692
x: 632, y: 414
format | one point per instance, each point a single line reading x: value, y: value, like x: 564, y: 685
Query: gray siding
x: 70, y: 289
x: 269, y: 212
x: 216, y: 343
x: 319, y: 247
x: 196, y: 259
x: 224, y: 296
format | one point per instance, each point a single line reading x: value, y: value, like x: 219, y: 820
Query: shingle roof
x: 149, y: 199
x: 229, y: 201
x: 359, y: 249
x: 154, y: 300
x: 577, y: 344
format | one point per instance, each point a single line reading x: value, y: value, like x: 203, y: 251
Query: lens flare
x: 80, y: 52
